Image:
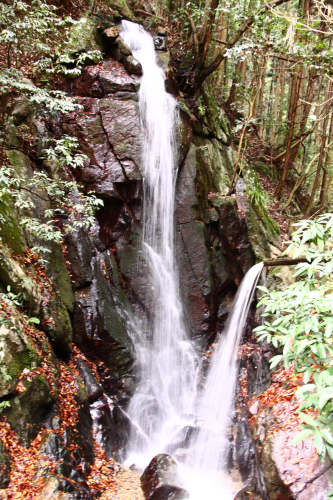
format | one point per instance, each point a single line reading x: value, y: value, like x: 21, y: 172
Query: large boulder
x: 160, y: 480
x: 290, y: 471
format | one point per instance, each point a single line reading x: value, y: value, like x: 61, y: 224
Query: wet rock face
x: 182, y: 439
x: 160, y: 481
x: 111, y: 427
x: 234, y: 236
x: 93, y: 388
x: 99, y: 328
x: 112, y: 77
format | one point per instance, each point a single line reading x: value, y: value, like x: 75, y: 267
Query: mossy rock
x: 11, y: 232
x: 57, y: 325
x: 57, y: 271
x: 214, y: 164
x: 26, y: 411
x: 13, y: 275
x: 252, y: 185
x: 18, y: 355
x: 84, y: 34
x: 120, y: 8
x: 215, y: 118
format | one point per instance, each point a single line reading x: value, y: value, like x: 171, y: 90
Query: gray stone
x: 121, y: 122
x: 21, y: 110
x: 132, y: 65
x: 161, y: 31
x: 80, y: 254
x: 112, y: 33
x: 126, y: 96
x: 113, y: 82
x: 123, y: 47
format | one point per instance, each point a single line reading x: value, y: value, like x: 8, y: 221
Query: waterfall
x: 209, y: 449
x: 166, y: 358
x: 168, y: 363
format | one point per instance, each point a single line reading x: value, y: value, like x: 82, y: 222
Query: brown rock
x: 160, y: 481
x: 112, y: 32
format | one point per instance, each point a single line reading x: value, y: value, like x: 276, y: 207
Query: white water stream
x: 168, y: 362
x: 209, y: 449
x: 166, y: 358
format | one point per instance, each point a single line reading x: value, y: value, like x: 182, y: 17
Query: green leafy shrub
x: 64, y: 195
x: 300, y: 321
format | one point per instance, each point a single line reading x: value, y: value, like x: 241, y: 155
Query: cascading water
x: 166, y: 358
x: 208, y: 451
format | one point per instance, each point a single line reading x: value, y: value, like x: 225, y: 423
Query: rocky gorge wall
x: 90, y: 290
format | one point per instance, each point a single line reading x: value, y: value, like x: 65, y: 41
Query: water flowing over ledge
x: 166, y: 399
x: 166, y: 358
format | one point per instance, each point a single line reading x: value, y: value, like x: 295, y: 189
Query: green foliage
x: 35, y: 30
x: 52, y: 101
x: 64, y: 195
x: 301, y: 323
x: 14, y: 301
x: 32, y: 34
x: 258, y: 197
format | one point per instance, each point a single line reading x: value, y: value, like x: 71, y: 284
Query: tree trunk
x: 322, y: 150
x: 325, y: 185
x: 292, y: 114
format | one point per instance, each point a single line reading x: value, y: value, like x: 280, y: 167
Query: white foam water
x: 207, y: 455
x: 167, y: 359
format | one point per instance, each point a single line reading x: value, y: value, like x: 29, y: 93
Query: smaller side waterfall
x: 208, y: 451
